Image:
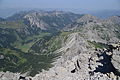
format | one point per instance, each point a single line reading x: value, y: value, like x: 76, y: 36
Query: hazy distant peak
x: 88, y: 18
x: 1, y: 19
x: 115, y: 19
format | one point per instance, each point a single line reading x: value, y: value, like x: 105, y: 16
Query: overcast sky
x: 64, y: 4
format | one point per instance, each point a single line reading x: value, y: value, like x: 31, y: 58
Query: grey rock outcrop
x: 85, y: 64
x: 13, y: 76
x: 116, y: 60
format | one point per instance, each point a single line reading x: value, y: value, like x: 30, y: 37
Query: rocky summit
x: 85, y: 48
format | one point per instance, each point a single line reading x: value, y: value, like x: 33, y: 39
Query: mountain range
x: 66, y: 45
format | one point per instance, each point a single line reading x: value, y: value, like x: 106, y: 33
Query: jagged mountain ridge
x: 95, y: 28
x: 46, y: 19
x: 1, y: 19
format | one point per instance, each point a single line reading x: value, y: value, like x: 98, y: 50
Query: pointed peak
x: 115, y: 19
x: 2, y: 19
x: 89, y: 16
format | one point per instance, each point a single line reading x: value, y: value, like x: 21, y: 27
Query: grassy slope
x: 98, y: 45
x: 19, y: 60
x: 26, y: 44
x: 12, y: 24
x: 46, y: 52
x: 12, y: 60
x: 24, y: 57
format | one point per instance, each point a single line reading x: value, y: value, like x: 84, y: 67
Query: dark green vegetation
x: 17, y: 56
x: 17, y: 52
x: 25, y: 47
x: 32, y: 54
x: 12, y: 58
x: 12, y: 24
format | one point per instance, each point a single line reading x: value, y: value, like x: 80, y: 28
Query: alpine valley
x: 58, y: 45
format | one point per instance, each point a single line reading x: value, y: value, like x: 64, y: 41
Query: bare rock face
x: 95, y: 29
x: 13, y: 76
x: 116, y: 61
x: 115, y: 19
x: 35, y: 21
x: 9, y: 76
x: 88, y: 18
x: 85, y: 64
